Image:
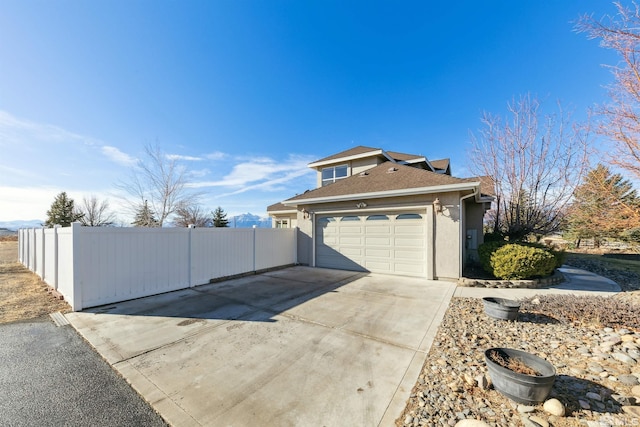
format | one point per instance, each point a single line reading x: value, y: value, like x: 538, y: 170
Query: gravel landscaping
x: 598, y: 367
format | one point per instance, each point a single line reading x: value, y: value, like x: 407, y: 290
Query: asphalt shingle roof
x: 380, y: 178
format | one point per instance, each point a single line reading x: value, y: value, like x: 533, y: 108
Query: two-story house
x: 387, y: 212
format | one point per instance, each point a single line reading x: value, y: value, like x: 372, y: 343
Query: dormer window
x: 334, y: 173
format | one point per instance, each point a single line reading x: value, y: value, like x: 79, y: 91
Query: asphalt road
x: 49, y: 376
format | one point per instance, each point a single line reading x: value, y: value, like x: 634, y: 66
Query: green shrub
x: 517, y: 261
x: 559, y: 255
x: 485, y: 251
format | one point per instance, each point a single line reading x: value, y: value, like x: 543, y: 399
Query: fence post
x: 295, y: 246
x: 189, y: 254
x: 55, y: 256
x: 255, y: 248
x: 42, y: 254
x: 76, y: 282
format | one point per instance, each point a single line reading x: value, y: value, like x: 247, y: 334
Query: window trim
x: 327, y: 181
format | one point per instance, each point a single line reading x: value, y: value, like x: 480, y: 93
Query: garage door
x: 381, y: 243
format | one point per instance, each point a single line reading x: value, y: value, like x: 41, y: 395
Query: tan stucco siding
x: 305, y: 243
x: 474, y: 214
x: 361, y: 165
x: 447, y: 237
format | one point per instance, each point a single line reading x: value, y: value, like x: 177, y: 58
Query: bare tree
x: 621, y: 116
x: 162, y: 182
x: 96, y: 213
x: 191, y: 215
x: 535, y: 161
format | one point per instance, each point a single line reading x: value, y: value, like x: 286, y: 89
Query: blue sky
x: 248, y: 92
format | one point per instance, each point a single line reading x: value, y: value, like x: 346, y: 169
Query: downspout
x: 463, y: 236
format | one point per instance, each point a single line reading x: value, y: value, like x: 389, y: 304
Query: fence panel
x: 220, y: 252
x: 65, y: 263
x: 275, y: 247
x: 50, y: 258
x: 96, y: 266
x: 117, y: 264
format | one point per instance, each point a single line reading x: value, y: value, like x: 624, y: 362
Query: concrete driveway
x: 300, y: 346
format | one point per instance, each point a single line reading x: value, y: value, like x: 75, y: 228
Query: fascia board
x: 383, y: 194
x: 284, y: 211
x: 353, y: 157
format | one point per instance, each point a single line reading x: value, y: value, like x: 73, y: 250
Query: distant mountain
x: 15, y: 225
x: 248, y: 220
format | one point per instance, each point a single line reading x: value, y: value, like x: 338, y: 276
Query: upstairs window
x: 332, y: 174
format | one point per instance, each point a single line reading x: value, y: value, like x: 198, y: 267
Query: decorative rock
x: 632, y: 410
x: 408, y: 419
x: 628, y: 338
x: 612, y: 340
x: 482, y: 381
x: 636, y: 391
x: 540, y: 421
x: 554, y: 407
x: 629, y: 380
x: 596, y: 368
x: 471, y: 423
x: 594, y: 396
x: 624, y: 331
x: 584, y: 404
x: 526, y: 422
x: 624, y: 358
x: 469, y: 380
x: 623, y: 400
x: 524, y: 409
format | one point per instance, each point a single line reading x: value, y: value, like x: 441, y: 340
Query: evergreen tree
x: 145, y: 217
x: 604, y: 205
x: 62, y: 212
x: 220, y: 218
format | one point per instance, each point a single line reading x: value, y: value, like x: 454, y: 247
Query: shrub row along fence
x: 92, y: 266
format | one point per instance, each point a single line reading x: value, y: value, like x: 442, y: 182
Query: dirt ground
x: 23, y: 294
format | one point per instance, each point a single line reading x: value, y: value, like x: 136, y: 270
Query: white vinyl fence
x: 92, y: 266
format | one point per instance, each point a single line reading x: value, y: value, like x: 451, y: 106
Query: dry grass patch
x: 22, y: 293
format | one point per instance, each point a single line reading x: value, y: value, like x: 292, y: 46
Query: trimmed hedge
x: 487, y: 250
x: 516, y: 262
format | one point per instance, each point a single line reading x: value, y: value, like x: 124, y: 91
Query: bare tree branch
x: 162, y: 182
x: 535, y: 160
x: 96, y: 213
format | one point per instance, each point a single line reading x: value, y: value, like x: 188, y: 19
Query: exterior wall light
x: 305, y: 213
x: 361, y: 205
x: 437, y: 206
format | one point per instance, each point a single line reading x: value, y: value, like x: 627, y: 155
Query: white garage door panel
x: 388, y: 245
x: 350, y: 230
x: 378, y: 253
x: 379, y: 267
x: 377, y: 229
x: 350, y: 240
x: 408, y: 229
x: 408, y: 255
x: 377, y: 241
x: 409, y: 269
x: 409, y: 241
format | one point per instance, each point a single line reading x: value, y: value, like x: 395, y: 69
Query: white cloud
x: 16, y: 130
x: 181, y: 157
x: 216, y: 155
x: 115, y: 155
x: 259, y: 172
